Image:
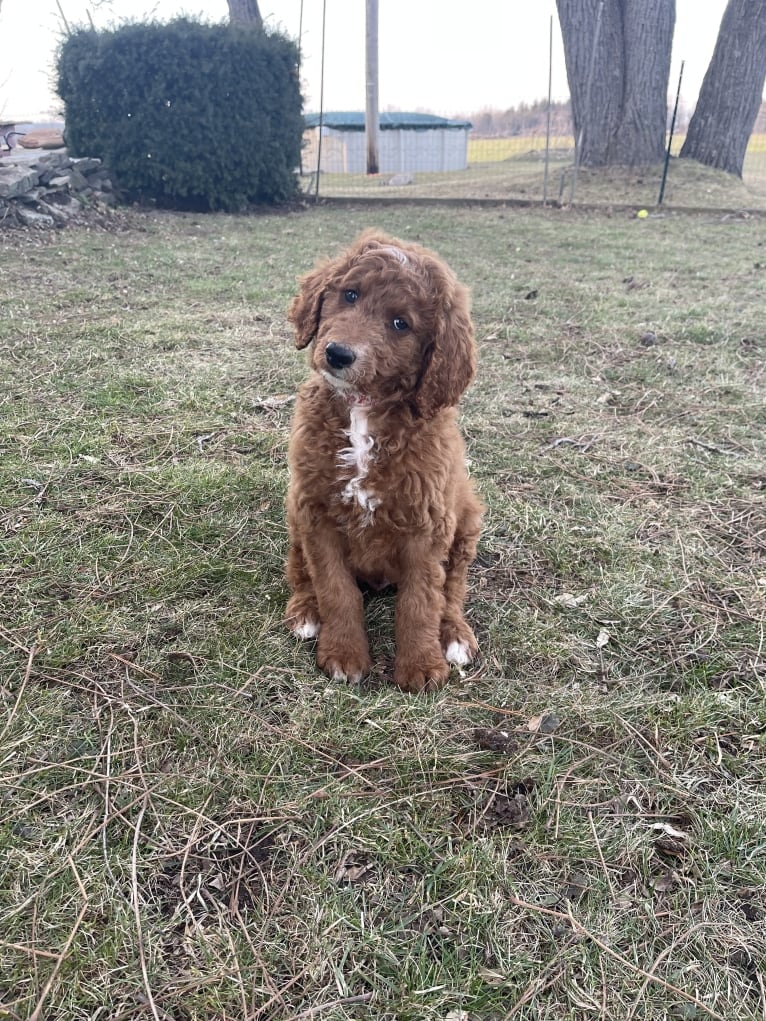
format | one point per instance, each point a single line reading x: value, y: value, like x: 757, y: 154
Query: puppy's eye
x: 351, y: 296
x: 400, y: 324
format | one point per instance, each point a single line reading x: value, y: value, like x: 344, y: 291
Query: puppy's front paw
x: 458, y: 642
x: 342, y: 661
x: 302, y: 616
x: 423, y: 673
x: 305, y: 628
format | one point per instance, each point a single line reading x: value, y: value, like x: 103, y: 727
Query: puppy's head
x: 389, y: 322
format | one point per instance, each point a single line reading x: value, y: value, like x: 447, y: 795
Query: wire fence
x: 533, y: 169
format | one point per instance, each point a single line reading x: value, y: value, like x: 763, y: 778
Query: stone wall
x: 52, y: 190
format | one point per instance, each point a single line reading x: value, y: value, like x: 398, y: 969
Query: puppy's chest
x: 358, y: 464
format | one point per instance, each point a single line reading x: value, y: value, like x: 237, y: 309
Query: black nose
x: 339, y: 357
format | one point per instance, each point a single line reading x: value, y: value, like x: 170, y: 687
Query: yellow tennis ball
x: 642, y: 214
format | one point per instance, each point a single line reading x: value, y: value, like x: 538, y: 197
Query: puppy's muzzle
x: 338, y: 356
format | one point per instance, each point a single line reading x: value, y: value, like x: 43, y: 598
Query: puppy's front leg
x: 342, y: 650
x: 420, y: 664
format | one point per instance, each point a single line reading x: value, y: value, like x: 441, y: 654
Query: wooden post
x: 548, y: 118
x: 372, y: 114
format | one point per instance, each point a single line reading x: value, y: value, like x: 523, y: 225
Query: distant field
x: 757, y: 143
x: 487, y: 150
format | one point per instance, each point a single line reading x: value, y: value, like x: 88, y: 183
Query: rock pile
x: 52, y: 190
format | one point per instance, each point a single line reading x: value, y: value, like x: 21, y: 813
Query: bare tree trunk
x: 730, y: 96
x: 619, y: 89
x: 245, y: 12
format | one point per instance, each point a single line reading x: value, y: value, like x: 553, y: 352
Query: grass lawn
x: 196, y: 825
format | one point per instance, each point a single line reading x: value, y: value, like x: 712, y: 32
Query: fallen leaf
x: 665, y: 881
x: 602, y: 639
x: 577, y: 886
x: 569, y: 601
x: 669, y: 830
x: 492, y: 978
x: 353, y: 869
x: 545, y: 723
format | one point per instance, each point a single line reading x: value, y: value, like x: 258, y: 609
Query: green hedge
x: 190, y: 116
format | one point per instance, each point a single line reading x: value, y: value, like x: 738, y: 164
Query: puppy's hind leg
x: 457, y: 638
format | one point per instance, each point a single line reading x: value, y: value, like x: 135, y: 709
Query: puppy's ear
x: 450, y: 362
x: 306, y: 306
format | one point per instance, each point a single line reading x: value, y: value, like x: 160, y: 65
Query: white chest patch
x: 356, y: 458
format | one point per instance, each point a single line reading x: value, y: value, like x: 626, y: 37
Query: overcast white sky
x: 486, y: 53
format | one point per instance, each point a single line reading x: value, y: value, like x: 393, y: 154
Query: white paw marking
x: 306, y: 629
x: 338, y: 675
x: 458, y: 653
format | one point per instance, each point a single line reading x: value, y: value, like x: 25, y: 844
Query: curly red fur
x: 378, y: 486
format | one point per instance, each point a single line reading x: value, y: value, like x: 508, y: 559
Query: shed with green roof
x: 408, y: 143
